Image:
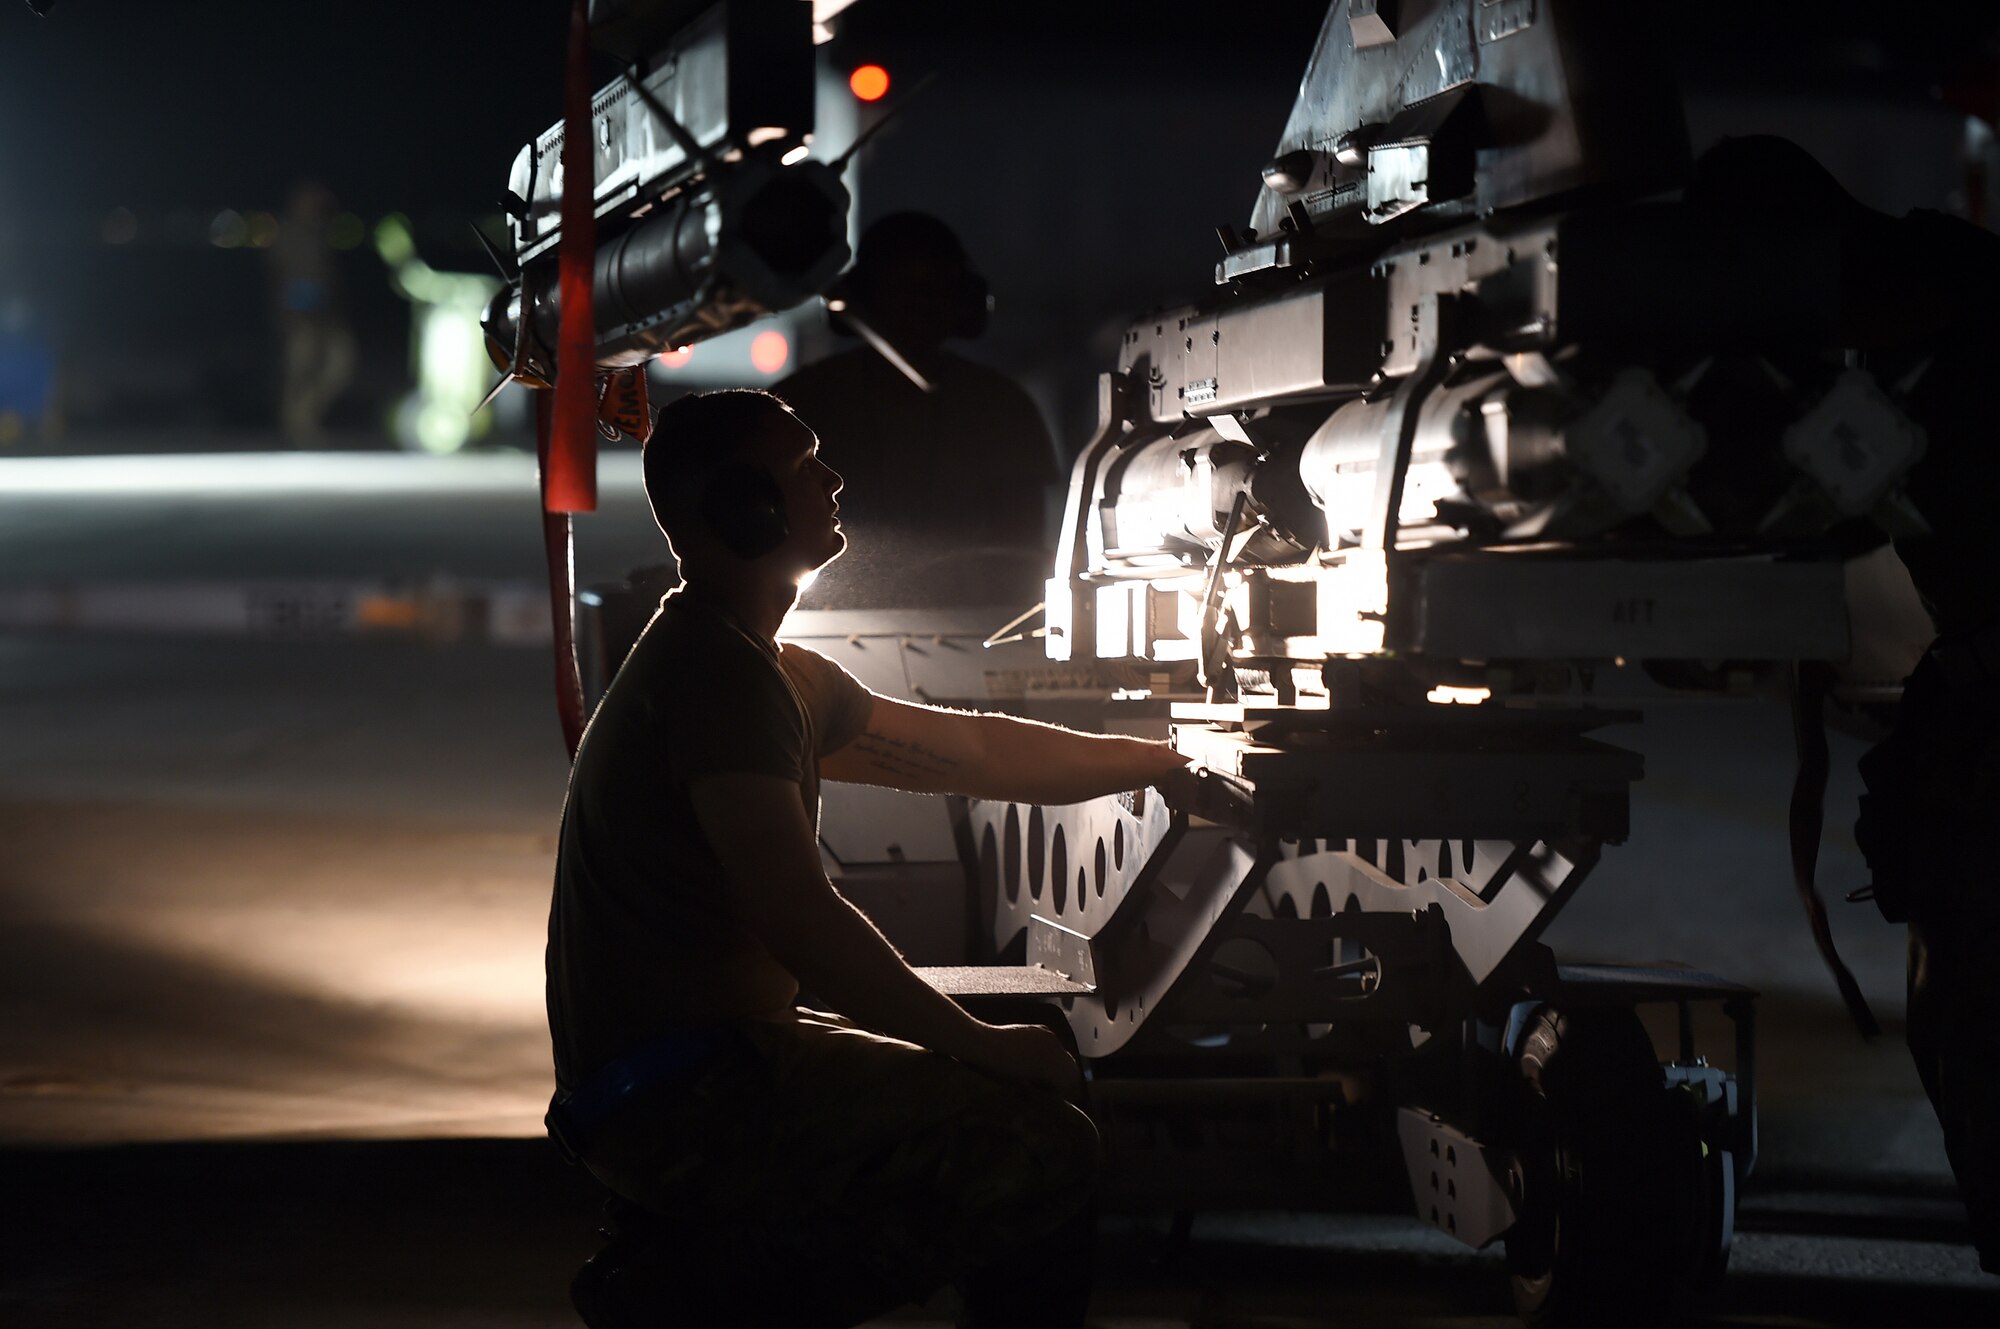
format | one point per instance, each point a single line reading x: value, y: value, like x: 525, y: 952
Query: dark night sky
x: 179, y: 111
x: 182, y: 110
x: 415, y: 105
x: 419, y: 106
x: 223, y: 102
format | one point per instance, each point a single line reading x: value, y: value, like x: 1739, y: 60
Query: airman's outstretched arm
x: 930, y: 750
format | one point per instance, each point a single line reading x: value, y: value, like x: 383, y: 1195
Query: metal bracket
x: 1461, y: 1186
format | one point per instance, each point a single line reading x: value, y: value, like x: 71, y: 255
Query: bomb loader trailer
x: 1502, y: 455
x: 1566, y: 419
x: 1482, y: 402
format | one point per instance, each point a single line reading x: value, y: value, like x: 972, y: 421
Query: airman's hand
x: 1182, y: 787
x: 1029, y: 1053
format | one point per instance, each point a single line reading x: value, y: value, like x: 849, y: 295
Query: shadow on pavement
x: 387, y: 1234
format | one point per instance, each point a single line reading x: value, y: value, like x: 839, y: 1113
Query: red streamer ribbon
x: 559, y: 547
x: 569, y: 476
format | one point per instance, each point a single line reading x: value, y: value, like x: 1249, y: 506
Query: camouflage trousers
x: 819, y: 1174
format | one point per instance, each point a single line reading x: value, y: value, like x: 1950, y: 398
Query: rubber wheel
x: 1616, y: 1223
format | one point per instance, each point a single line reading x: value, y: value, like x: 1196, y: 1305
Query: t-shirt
x: 642, y: 936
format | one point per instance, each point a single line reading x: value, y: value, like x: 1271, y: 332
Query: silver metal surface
x: 1117, y: 896
x: 997, y: 981
x: 713, y: 90
x: 1461, y: 1186
x: 1578, y: 97
x: 1507, y: 893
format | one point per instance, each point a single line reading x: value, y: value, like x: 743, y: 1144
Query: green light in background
x: 346, y: 231
x: 394, y: 242
x: 447, y: 345
x: 226, y: 230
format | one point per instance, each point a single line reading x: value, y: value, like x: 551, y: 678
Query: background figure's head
x: 735, y: 480
x: 310, y: 200
x: 912, y: 281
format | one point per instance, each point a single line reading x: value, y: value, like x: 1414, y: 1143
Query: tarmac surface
x: 271, y: 910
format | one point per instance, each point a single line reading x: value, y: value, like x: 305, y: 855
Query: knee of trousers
x: 1063, y: 1142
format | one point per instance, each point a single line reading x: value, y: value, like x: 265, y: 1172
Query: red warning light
x: 675, y: 358
x: 870, y: 83
x: 769, y: 350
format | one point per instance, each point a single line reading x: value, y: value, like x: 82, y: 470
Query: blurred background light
x: 121, y: 227
x: 262, y: 230
x: 769, y: 351
x: 346, y: 231
x: 226, y: 230
x: 747, y: 357
x: 870, y: 82
x: 447, y: 348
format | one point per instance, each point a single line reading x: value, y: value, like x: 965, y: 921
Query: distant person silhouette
x: 950, y: 486
x: 27, y: 375
x: 315, y: 343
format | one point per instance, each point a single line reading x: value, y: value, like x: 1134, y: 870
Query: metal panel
x: 998, y: 981
x: 1272, y: 349
x: 1461, y: 1186
x: 1512, y: 607
x: 1509, y: 787
x: 738, y: 75
x: 1579, y: 95
x: 863, y: 824
x: 1524, y: 886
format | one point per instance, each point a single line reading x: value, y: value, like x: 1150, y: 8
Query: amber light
x: 870, y: 83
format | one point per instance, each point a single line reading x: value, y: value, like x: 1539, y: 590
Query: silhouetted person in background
x: 315, y: 345
x: 1919, y: 301
x: 950, y: 486
x: 1933, y: 786
x: 27, y: 375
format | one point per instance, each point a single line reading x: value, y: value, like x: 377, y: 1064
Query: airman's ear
x: 744, y: 508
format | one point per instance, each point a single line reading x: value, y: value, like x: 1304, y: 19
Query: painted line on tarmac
x: 294, y: 474
x: 508, y: 613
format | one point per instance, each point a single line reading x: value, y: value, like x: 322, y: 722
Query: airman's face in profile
x: 791, y: 451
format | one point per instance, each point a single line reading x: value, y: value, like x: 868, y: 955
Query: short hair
x: 693, y: 436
